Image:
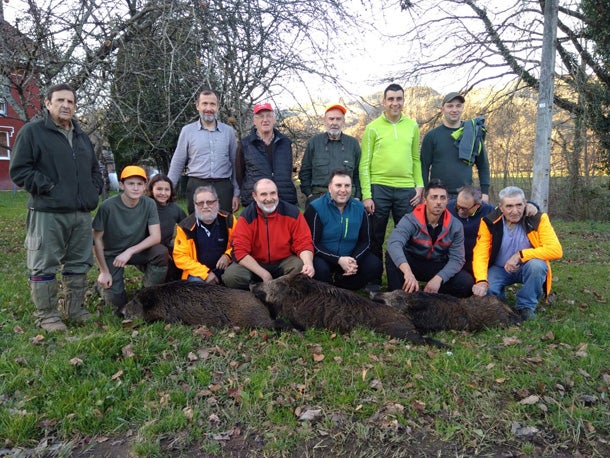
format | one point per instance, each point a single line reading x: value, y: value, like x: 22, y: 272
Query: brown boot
x: 44, y: 296
x: 75, y: 288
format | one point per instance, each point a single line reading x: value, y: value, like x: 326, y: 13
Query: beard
x: 268, y: 208
x: 206, y: 218
x: 207, y: 118
x: 334, y: 133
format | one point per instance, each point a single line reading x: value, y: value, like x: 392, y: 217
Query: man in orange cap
x: 328, y: 151
x: 126, y: 230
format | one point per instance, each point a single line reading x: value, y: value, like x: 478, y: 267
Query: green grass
x: 163, y: 388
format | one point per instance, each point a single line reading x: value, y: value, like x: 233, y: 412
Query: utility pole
x: 544, y: 115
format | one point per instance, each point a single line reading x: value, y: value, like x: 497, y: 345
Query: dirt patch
x: 379, y: 443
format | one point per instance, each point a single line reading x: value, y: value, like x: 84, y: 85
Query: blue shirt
x: 513, y: 240
x: 205, y: 153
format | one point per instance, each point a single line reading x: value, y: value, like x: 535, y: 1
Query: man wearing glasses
x: 202, y: 247
x: 265, y: 153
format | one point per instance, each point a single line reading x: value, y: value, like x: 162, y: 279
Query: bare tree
x: 483, y: 42
x: 143, y: 61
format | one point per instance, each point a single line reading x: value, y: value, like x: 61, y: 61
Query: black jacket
x: 60, y: 178
x: 252, y: 158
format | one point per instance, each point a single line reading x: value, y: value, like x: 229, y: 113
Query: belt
x: 212, y: 180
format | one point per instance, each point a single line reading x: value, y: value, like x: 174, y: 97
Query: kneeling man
x: 514, y: 248
x: 428, y: 245
x: 341, y: 232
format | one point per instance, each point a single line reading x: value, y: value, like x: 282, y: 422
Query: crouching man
x: 514, y: 248
x: 126, y: 230
x: 271, y: 239
x: 342, y: 236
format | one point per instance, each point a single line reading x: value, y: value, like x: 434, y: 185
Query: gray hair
x: 472, y: 191
x: 511, y: 191
x: 206, y: 188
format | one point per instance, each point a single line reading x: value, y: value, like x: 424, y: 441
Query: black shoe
x: 527, y: 314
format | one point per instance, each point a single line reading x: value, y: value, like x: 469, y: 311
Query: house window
x: 4, y: 151
x: 2, y: 106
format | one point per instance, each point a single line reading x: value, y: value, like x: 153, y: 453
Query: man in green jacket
x: 328, y: 151
x: 390, y: 167
x: 54, y: 160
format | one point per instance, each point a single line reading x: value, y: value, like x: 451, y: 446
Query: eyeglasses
x: 203, y: 203
x: 264, y: 115
x: 464, y: 209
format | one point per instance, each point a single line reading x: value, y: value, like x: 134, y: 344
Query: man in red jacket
x: 271, y: 239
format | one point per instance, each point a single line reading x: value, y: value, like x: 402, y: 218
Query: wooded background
x: 137, y: 65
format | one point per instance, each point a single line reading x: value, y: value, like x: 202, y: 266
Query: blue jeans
x: 532, y: 275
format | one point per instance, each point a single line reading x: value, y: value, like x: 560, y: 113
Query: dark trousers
x: 223, y: 187
x: 396, y: 201
x: 369, y: 269
x: 460, y: 285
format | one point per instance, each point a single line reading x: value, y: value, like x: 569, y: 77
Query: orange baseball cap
x: 336, y: 106
x: 133, y: 171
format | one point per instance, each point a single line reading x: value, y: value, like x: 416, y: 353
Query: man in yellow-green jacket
x: 390, y: 167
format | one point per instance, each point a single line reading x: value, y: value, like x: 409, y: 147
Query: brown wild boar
x: 308, y: 303
x: 199, y: 304
x: 441, y: 312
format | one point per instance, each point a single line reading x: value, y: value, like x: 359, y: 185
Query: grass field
x: 107, y: 389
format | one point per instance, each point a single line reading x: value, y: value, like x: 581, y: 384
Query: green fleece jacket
x: 390, y: 155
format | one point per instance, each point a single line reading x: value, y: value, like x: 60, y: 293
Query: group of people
x: 446, y: 236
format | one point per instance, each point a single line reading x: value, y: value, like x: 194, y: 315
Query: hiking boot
x: 44, y: 291
x: 527, y: 314
x: 53, y: 326
x: 75, y: 288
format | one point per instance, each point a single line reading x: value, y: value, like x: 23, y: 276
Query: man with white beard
x: 328, y: 151
x: 207, y: 149
x: 271, y: 239
x: 202, y: 246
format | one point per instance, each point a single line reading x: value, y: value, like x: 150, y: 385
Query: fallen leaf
x: 588, y: 400
x: 584, y: 373
x: 18, y: 330
x: 76, y: 362
x: 309, y: 414
x: 37, y: 340
x: 188, y: 412
x: 376, y: 385
x: 317, y: 357
x: 418, y: 405
x: 213, y: 418
x: 510, y: 340
x: 548, y: 336
x: 589, y: 426
x: 533, y: 399
x: 127, y: 351
x: 338, y: 359
x: 501, y: 380
x: 117, y: 374
x: 192, y: 357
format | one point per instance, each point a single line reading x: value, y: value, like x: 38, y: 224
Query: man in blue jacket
x: 54, y: 160
x: 342, y: 236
